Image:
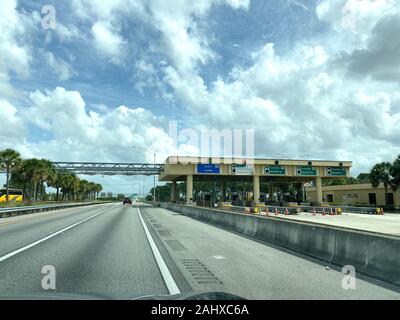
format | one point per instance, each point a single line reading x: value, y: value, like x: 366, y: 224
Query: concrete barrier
x: 375, y: 255
x: 15, y: 211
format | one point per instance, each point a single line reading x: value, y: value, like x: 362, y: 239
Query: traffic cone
x: 276, y: 211
x: 267, y: 212
x: 331, y: 212
x: 313, y: 211
x: 286, y: 212
x: 323, y: 212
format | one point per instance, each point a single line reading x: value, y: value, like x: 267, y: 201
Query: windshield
x: 167, y: 147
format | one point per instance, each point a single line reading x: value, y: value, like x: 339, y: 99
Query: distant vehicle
x: 127, y: 201
x: 14, y: 195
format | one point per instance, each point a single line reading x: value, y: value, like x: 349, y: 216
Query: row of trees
x: 33, y: 175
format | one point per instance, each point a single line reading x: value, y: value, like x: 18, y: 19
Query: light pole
x: 154, y: 177
x: 143, y: 186
x: 154, y: 182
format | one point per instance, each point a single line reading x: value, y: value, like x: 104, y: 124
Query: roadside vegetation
x: 33, y: 175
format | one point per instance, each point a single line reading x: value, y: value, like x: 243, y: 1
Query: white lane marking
x: 166, y: 274
x: 9, y: 255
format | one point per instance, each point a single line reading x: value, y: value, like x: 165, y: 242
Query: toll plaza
x: 272, y: 171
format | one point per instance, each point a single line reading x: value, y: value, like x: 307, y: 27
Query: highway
x: 122, y: 252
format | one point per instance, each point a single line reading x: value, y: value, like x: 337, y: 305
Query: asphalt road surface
x: 122, y: 252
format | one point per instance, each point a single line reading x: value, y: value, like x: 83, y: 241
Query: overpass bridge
x: 106, y: 168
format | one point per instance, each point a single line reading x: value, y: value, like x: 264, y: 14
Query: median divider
x: 373, y: 254
x: 14, y: 211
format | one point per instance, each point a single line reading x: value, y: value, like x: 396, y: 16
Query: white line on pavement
x: 166, y: 274
x: 9, y: 255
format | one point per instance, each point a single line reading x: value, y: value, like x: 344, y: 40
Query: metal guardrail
x: 5, y: 212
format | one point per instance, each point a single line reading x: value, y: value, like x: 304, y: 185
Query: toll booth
x: 204, y: 199
x: 235, y: 198
x: 263, y: 197
x: 250, y: 170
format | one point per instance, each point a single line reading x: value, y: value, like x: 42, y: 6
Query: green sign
x: 306, y: 171
x: 276, y: 169
x: 242, y: 169
x: 336, y: 171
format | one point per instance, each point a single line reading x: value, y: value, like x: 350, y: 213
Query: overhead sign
x: 208, y: 168
x: 336, y: 171
x: 275, y: 169
x: 306, y: 171
x: 242, y: 169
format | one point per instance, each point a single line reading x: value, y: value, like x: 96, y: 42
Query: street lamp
x: 154, y: 182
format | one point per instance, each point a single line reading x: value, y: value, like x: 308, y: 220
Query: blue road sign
x: 208, y: 168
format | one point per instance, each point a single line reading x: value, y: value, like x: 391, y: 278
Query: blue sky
x: 309, y: 76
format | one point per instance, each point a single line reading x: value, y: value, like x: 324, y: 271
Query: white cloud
x: 68, y: 32
x: 358, y: 16
x: 12, y: 127
x: 380, y: 58
x: 181, y: 38
x: 15, y: 52
x: 59, y: 67
x: 82, y: 135
x: 108, y: 42
x: 107, y: 9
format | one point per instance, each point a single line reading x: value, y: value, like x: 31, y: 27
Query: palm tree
x: 380, y: 173
x: 83, y: 189
x: 395, y: 173
x: 9, y: 159
x: 69, y: 186
x: 92, y: 190
x: 34, y: 172
x: 55, y: 180
x: 99, y: 187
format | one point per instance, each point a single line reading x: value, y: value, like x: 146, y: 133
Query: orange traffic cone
x: 331, y: 212
x: 323, y: 212
x: 313, y: 211
x: 276, y: 211
x: 286, y: 212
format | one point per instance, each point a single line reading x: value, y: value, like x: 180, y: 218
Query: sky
x: 314, y: 79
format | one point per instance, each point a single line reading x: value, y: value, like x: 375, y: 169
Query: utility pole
x: 154, y: 177
x: 143, y: 186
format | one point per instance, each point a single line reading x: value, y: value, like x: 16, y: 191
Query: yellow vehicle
x: 14, y: 195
